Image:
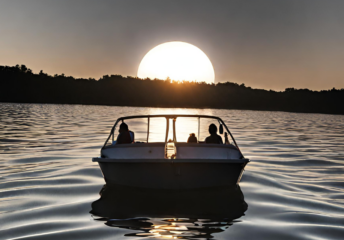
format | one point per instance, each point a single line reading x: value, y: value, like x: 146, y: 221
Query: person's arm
x: 221, y: 142
x: 118, y: 140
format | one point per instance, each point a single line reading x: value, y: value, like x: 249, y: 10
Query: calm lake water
x: 293, y: 188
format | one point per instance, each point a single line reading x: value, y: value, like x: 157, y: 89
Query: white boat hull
x: 172, y: 174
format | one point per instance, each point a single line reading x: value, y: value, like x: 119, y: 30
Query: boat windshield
x: 169, y: 128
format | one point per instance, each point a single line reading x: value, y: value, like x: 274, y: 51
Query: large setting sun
x: 178, y: 61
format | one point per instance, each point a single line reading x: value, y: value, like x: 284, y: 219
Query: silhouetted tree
x: 23, y: 68
x: 19, y: 84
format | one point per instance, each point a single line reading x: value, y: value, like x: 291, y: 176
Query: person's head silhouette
x: 212, y: 129
x: 123, y: 127
x: 192, y: 138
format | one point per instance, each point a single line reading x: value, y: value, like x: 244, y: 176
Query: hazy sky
x: 271, y: 44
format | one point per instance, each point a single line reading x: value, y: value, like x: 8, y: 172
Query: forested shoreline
x: 20, y: 85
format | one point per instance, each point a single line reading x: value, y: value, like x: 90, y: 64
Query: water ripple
x: 294, y: 186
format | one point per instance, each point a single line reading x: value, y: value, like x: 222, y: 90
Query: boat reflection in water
x: 176, y: 214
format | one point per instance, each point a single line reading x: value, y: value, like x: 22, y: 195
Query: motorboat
x: 161, y: 156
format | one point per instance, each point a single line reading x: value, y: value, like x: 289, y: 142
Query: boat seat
x: 135, y: 151
x: 206, y: 151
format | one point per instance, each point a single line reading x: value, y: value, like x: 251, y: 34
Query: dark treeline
x: 19, y: 84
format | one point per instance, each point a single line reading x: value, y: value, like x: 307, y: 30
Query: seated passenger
x: 192, y: 138
x: 124, y: 136
x: 213, y: 138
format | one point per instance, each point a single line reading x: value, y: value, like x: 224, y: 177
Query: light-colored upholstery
x: 135, y: 151
x: 206, y: 151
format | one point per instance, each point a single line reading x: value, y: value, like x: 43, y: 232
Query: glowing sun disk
x: 178, y: 61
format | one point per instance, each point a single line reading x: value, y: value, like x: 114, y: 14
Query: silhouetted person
x: 213, y: 138
x: 192, y: 138
x: 124, y: 136
x: 226, y: 139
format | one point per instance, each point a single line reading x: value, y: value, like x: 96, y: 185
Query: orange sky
x: 265, y: 44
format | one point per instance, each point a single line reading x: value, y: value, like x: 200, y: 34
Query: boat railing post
x: 148, y: 129
x: 167, y: 128
x: 231, y: 136
x: 111, y: 134
x: 166, y: 137
x: 174, y: 130
x: 199, y: 128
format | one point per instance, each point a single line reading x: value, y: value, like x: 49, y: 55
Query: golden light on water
x: 168, y: 231
x: 178, y: 61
